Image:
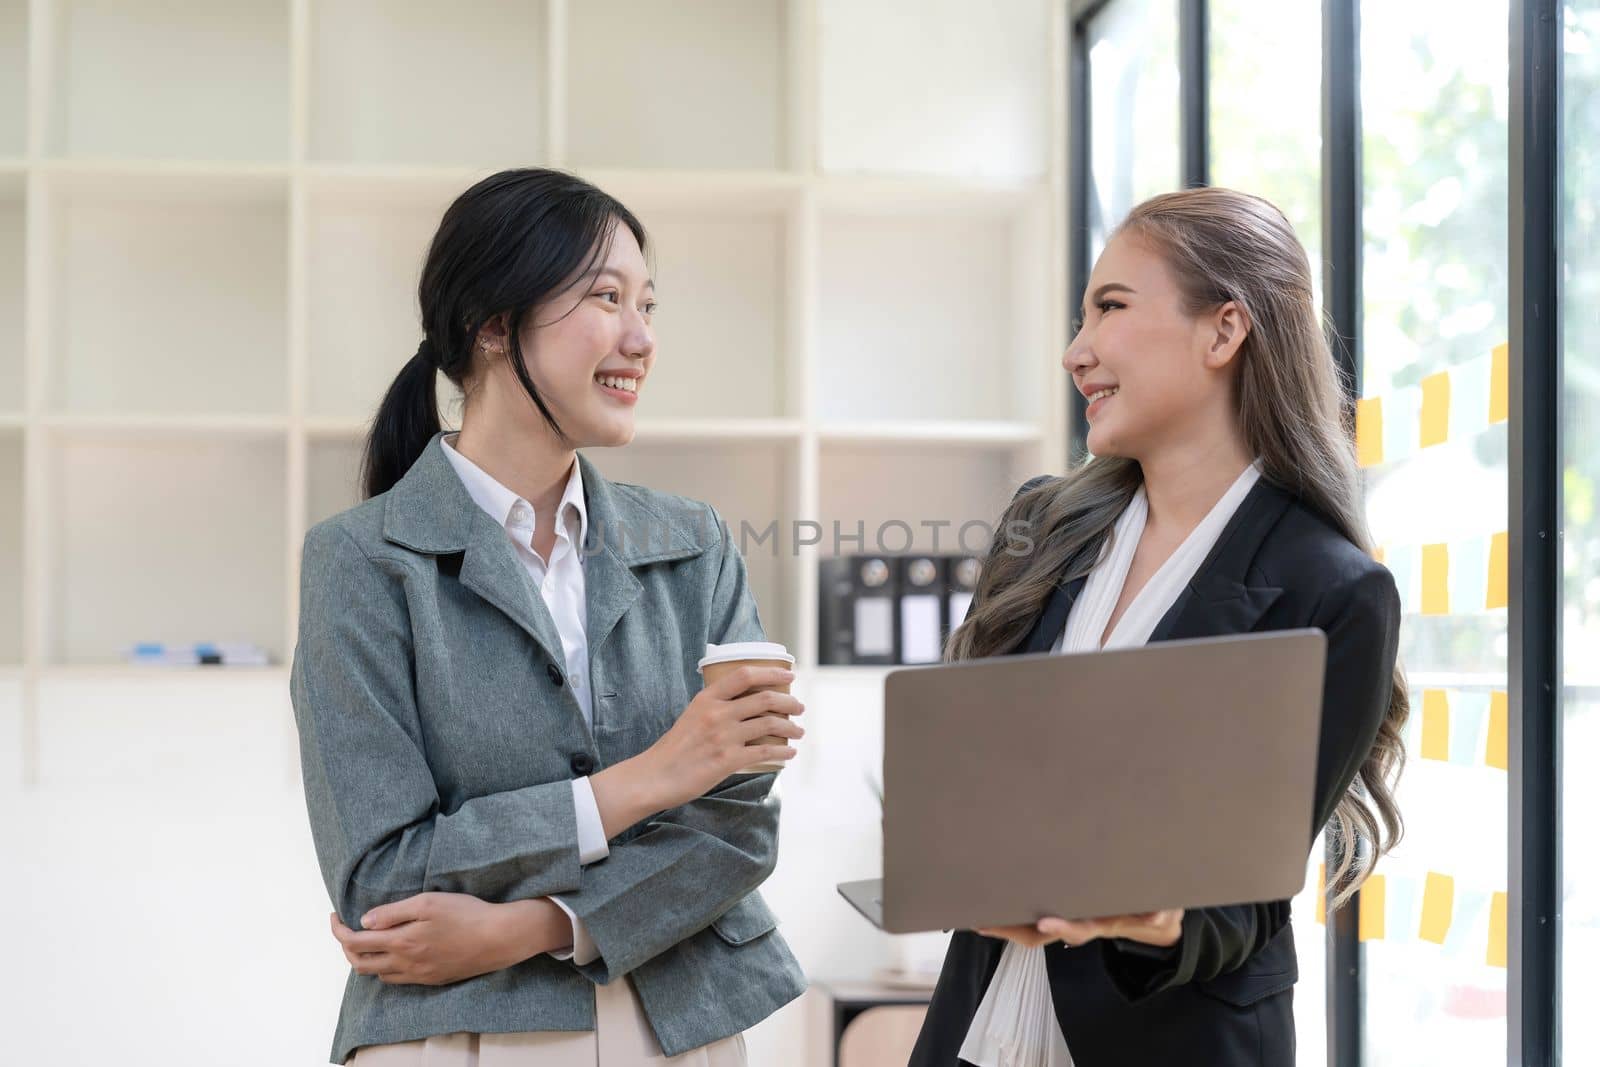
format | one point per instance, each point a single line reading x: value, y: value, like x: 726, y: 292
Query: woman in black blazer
x: 1202, y: 354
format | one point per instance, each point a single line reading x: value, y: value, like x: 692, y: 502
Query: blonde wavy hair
x: 1220, y: 245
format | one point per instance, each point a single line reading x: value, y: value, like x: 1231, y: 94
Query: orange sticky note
x: 1369, y: 431
x: 1436, y: 579
x: 1322, y: 893
x: 1499, y: 731
x: 1500, y: 384
x: 1379, y: 554
x: 1499, y: 587
x: 1435, y: 724
x: 1435, y: 409
x: 1438, y: 905
x: 1370, y: 926
x: 1497, y: 930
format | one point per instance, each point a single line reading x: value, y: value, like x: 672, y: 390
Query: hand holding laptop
x: 1159, y: 928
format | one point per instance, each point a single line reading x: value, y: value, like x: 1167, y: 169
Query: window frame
x: 1535, y: 504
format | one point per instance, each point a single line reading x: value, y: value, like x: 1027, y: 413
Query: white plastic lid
x: 744, y: 650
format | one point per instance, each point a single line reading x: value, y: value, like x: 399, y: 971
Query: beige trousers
x: 621, y: 1038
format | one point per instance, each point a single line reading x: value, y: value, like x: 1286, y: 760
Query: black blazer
x: 1223, y: 994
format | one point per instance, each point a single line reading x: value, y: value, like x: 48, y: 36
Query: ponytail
x: 406, y: 421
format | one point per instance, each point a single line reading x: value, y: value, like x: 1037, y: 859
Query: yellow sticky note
x: 1499, y: 731
x: 1500, y: 384
x: 1438, y: 905
x: 1435, y: 724
x: 1370, y: 926
x: 1499, y: 587
x: 1369, y: 431
x: 1435, y: 409
x: 1322, y: 893
x: 1436, y: 579
x: 1497, y: 930
x: 1379, y: 554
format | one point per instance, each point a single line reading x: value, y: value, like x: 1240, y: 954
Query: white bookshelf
x: 697, y: 86
x: 364, y: 239
x: 213, y: 214
x: 165, y: 293
x: 423, y: 83
x: 163, y: 79
x: 923, y: 492
x: 940, y: 87
x: 150, y: 529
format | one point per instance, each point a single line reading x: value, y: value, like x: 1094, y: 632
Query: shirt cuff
x: 582, y: 950
x: 592, y: 845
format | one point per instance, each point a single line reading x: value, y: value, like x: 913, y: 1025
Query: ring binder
x: 891, y: 609
x: 920, y: 610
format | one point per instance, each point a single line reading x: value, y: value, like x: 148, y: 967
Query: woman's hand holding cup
x: 721, y: 732
x: 741, y: 720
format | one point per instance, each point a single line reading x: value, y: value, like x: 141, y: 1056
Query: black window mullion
x: 1078, y: 265
x: 1194, y: 87
x: 1534, y: 865
x: 1341, y: 292
x: 1341, y: 184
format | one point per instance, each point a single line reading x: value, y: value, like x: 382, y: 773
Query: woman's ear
x: 1227, y: 327
x: 493, y: 336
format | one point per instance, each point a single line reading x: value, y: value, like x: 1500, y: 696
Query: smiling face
x: 1151, y: 371
x: 588, y: 349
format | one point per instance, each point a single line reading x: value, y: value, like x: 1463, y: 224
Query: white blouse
x: 1016, y: 1025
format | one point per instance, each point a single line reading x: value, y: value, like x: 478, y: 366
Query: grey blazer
x: 439, y: 737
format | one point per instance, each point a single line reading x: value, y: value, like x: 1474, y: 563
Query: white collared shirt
x: 1016, y: 1022
x: 560, y: 582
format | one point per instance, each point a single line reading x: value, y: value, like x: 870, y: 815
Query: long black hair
x: 504, y: 247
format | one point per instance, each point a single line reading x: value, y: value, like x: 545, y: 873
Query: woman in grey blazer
x: 540, y: 835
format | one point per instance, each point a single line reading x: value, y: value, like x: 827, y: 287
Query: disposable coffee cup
x: 721, y: 659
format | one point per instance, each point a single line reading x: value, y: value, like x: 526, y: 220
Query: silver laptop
x: 1173, y: 775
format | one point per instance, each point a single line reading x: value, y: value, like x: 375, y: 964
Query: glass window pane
x: 1133, y: 101
x: 1580, y: 310
x: 1434, y: 77
x: 1266, y: 138
x: 1266, y: 110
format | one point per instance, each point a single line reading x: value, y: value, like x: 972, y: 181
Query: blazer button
x: 582, y: 764
x: 555, y: 674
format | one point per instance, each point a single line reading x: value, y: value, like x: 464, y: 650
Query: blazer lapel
x: 1217, y: 601
x: 430, y: 511
x: 1220, y: 600
x: 610, y: 588
x: 491, y: 569
x: 1053, y: 619
x: 625, y: 532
